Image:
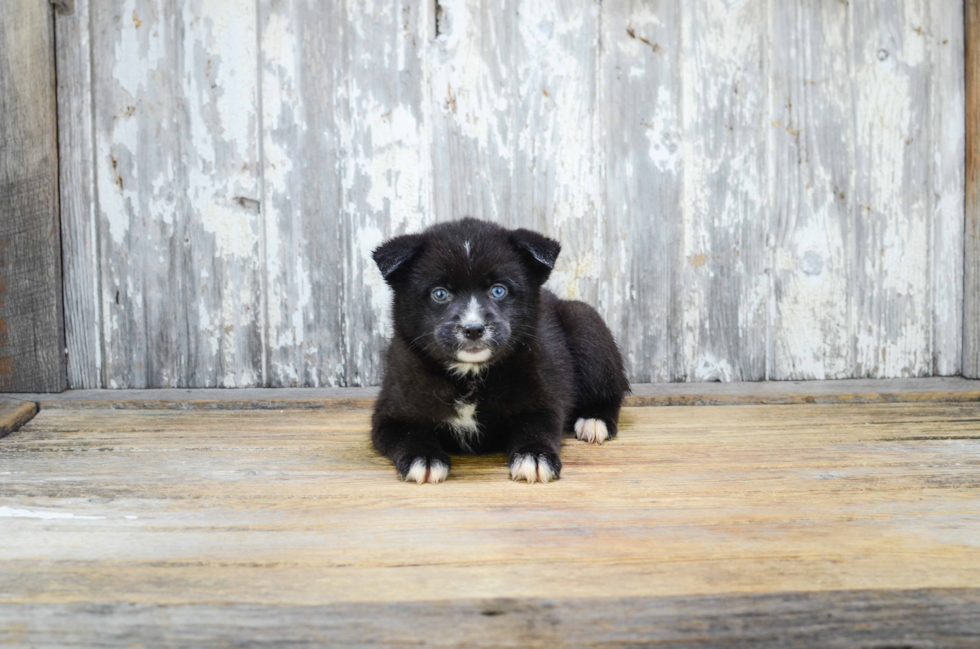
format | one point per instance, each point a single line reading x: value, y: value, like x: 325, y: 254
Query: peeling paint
x: 744, y: 189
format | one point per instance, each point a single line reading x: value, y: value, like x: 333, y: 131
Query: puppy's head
x: 466, y: 292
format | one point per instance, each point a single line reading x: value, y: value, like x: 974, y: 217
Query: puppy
x: 483, y: 359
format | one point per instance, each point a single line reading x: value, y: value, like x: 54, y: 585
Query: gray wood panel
x: 971, y: 257
x: 642, y: 137
x: 79, y: 221
x: 725, y: 288
x: 388, y: 169
x: 744, y: 190
x: 948, y: 155
x: 304, y: 117
x: 812, y: 145
x: 473, y: 95
x: 891, y: 294
x: 178, y: 187
x: 32, y: 335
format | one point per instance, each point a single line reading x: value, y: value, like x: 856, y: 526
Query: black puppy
x: 485, y: 360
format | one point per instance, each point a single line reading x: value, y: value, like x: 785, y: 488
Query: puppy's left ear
x: 393, y: 255
x: 540, y: 252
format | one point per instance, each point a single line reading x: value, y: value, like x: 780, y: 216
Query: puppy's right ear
x: 539, y: 251
x: 393, y: 255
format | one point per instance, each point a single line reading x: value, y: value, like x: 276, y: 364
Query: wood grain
x: 947, y: 115
x: 388, y: 167
x: 473, y: 97
x: 79, y: 218
x: 890, y: 297
x: 745, y: 191
x: 641, y: 293
x: 177, y: 182
x: 971, y: 276
x: 305, y: 90
x: 910, y: 618
x: 812, y: 146
x: 725, y: 190
x: 263, y: 507
x: 32, y: 335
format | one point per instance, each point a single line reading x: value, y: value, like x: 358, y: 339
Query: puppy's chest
x: 464, y: 420
x: 471, y: 412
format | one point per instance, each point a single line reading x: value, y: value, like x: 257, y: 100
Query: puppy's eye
x: 440, y: 294
x: 497, y: 291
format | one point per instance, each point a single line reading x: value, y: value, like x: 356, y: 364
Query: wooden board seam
x: 933, y: 390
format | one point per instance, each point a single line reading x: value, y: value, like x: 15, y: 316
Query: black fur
x: 552, y: 361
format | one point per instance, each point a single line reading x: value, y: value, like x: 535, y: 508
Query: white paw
x: 434, y: 473
x: 591, y: 430
x: 527, y: 467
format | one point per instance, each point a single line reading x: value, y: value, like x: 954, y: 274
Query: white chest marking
x: 464, y: 424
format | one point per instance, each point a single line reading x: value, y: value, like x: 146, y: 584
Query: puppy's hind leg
x: 600, y: 377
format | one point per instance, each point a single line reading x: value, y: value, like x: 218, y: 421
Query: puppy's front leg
x: 534, y: 446
x: 414, y: 449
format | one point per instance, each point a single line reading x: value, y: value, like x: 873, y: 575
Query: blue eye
x: 497, y: 291
x: 440, y: 295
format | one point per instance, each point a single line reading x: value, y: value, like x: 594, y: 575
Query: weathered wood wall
x: 746, y: 190
x: 32, y: 338
x: 971, y: 258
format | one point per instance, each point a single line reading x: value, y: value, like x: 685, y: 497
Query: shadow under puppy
x: 483, y: 359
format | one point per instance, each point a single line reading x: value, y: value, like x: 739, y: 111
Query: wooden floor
x: 792, y: 525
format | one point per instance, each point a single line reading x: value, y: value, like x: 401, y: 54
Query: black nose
x: 474, y: 331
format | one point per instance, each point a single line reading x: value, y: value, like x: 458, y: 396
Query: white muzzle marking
x: 473, y: 316
x: 474, y: 357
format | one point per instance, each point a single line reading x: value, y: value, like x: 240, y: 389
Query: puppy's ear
x: 539, y: 252
x: 393, y: 255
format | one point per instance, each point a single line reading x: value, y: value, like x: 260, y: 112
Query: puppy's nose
x: 474, y: 331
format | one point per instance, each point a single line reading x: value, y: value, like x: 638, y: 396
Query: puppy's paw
x: 593, y: 431
x: 535, y: 467
x: 422, y: 470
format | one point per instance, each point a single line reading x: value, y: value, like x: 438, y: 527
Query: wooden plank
x: 971, y: 268
x: 14, y: 413
x: 822, y: 251
x: 388, y: 168
x: 552, y: 66
x: 136, y: 140
x: 911, y: 618
x: 207, y: 508
x: 891, y: 291
x: 220, y: 168
x: 725, y: 189
x: 79, y: 209
x: 177, y: 181
x: 32, y: 336
x: 640, y: 107
x: 709, y: 262
x: 472, y: 101
x: 812, y: 144
x: 304, y: 95
x: 947, y: 132
x: 938, y: 390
